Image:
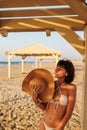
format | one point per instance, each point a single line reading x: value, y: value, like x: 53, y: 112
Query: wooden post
x: 23, y: 57
x: 36, y: 63
x: 40, y: 63
x: 84, y: 92
x: 9, y: 66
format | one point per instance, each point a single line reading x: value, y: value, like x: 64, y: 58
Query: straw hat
x: 43, y: 78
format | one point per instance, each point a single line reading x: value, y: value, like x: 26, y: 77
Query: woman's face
x: 60, y: 72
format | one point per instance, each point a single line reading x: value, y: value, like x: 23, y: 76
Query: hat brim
x: 40, y: 73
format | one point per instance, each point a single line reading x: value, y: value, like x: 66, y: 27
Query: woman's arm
x: 70, y: 107
x: 35, y: 92
x: 40, y: 104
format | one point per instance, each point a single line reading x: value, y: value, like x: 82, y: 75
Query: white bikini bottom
x: 46, y: 127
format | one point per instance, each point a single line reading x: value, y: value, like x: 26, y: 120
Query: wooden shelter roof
x: 25, y: 15
x: 63, y: 16
x: 34, y: 50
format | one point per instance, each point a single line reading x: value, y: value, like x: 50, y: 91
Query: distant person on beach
x: 55, y: 98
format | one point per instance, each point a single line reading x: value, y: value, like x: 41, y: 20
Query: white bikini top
x: 63, y: 100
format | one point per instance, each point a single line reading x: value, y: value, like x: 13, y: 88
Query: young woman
x: 58, y: 110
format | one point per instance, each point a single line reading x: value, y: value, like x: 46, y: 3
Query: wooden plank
x: 76, y: 41
x: 27, y: 3
x: 84, y: 92
x: 79, y: 7
x: 20, y: 24
x: 38, y: 12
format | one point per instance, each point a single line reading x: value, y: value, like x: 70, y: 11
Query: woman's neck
x: 61, y: 82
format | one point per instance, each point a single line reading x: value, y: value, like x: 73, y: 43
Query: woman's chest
x: 58, y: 94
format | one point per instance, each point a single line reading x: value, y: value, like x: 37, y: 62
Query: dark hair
x: 68, y: 65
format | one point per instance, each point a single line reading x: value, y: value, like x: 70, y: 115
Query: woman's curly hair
x: 68, y: 65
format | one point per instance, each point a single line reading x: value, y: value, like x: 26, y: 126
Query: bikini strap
x: 60, y: 91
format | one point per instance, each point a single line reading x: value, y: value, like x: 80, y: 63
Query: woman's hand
x: 35, y: 91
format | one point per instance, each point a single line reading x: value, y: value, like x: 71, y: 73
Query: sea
x: 4, y: 63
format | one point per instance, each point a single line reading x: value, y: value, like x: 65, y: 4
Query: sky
x: 22, y: 39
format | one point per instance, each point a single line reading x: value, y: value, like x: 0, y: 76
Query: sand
x: 18, y: 112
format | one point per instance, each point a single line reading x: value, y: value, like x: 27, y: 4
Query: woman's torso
x: 56, y: 107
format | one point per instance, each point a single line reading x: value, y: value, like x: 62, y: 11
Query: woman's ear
x: 66, y: 74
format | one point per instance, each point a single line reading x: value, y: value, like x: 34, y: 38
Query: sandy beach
x: 18, y: 112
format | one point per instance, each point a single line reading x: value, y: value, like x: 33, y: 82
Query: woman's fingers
x: 35, y: 88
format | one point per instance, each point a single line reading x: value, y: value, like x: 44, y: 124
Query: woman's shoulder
x: 72, y: 87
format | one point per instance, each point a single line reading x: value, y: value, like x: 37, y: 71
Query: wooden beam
x: 76, y: 41
x: 27, y: 3
x: 84, y: 92
x: 79, y: 7
x: 38, y: 23
x: 38, y: 12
